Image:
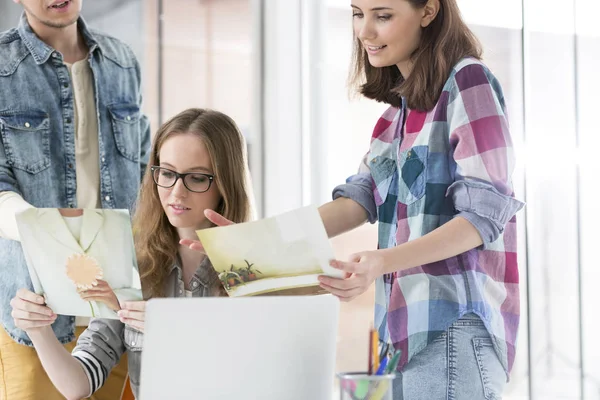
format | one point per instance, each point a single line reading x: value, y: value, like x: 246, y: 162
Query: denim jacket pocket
x: 134, y: 339
x: 382, y: 171
x: 413, y: 174
x: 126, y: 119
x: 490, y: 367
x: 26, y: 139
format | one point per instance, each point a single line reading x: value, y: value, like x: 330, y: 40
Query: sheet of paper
x: 71, y: 249
x: 282, y: 254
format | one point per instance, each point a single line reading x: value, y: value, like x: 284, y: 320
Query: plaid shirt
x: 426, y: 168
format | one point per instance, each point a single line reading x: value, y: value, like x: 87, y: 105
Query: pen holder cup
x: 361, y: 386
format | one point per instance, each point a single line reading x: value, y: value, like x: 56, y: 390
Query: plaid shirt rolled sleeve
x: 359, y: 187
x: 482, y: 149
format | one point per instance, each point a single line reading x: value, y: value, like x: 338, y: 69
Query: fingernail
x: 40, y: 300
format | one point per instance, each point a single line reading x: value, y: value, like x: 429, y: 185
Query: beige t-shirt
x: 74, y: 225
x: 87, y: 163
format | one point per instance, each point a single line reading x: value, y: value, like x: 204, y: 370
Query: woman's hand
x: 213, y: 217
x: 101, y: 292
x: 361, y: 271
x: 30, y: 312
x: 133, y: 313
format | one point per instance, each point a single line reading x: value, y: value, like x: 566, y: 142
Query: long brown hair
x: 157, y: 240
x: 444, y: 42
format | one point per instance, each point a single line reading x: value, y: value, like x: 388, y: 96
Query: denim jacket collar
x: 42, y: 51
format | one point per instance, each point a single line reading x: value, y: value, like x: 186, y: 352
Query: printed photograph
x: 285, y: 253
x: 81, y: 260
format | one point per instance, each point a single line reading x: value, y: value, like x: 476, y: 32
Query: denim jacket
x: 102, y: 344
x: 37, y: 133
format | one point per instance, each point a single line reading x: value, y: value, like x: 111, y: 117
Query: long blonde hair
x: 157, y: 240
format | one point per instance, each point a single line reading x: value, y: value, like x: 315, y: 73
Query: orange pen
x: 375, y: 349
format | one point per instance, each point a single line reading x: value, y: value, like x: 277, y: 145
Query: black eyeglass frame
x: 210, y: 177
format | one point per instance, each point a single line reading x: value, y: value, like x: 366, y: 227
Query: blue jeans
x: 461, y: 364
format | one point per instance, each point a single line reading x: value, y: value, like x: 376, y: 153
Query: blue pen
x: 382, y: 366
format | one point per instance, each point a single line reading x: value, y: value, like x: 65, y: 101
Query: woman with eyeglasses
x: 197, y: 178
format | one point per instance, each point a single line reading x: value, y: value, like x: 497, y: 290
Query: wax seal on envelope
x: 83, y: 270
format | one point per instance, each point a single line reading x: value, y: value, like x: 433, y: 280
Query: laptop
x: 269, y: 347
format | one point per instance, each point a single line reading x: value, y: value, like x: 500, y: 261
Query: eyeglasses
x: 194, y: 181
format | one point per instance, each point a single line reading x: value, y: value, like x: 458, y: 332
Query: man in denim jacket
x: 71, y: 136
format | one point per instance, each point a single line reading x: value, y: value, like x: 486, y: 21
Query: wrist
x: 35, y: 333
x: 115, y: 305
x: 392, y: 261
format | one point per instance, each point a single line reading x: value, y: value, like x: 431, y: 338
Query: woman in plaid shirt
x: 437, y: 178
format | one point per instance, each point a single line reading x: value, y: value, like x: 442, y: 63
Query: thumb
x: 192, y: 244
x: 356, y: 257
x: 217, y: 218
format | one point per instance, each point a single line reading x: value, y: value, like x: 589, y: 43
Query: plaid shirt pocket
x: 413, y: 174
x: 382, y: 171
